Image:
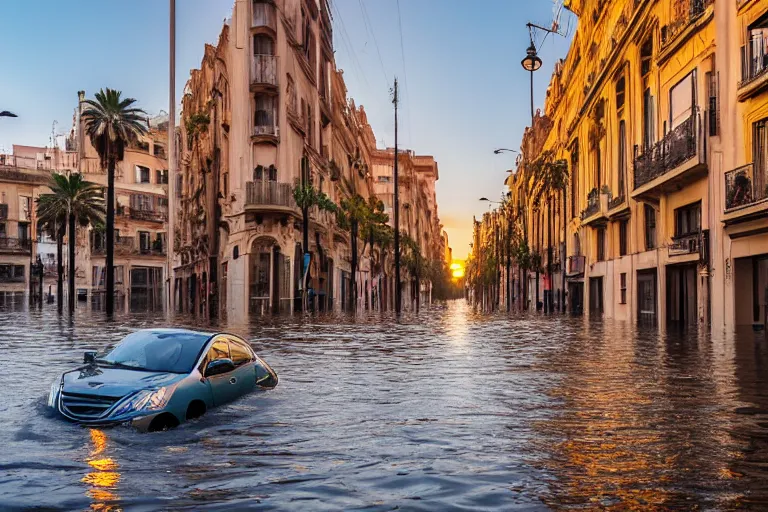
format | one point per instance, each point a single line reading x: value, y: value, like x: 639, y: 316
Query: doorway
x: 646, y: 297
x: 596, y: 295
x: 576, y: 297
x: 682, y: 305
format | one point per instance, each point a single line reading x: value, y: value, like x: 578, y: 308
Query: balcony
x: 684, y: 14
x: 754, y: 67
x: 597, y: 208
x: 745, y: 194
x: 576, y: 265
x: 270, y: 196
x: 124, y: 246
x: 264, y: 16
x: 675, y: 160
x: 684, y: 245
x: 264, y: 73
x: 15, y: 245
x: 266, y: 130
x: 148, y: 215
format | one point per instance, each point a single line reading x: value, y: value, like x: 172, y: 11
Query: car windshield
x: 157, y: 351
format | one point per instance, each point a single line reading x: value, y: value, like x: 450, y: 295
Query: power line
x: 344, y: 34
x: 405, y: 72
x: 369, y: 25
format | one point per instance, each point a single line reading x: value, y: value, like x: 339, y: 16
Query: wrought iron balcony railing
x: 616, y: 202
x: 754, y: 59
x: 686, y: 244
x: 743, y: 187
x: 677, y: 147
x: 17, y: 245
x: 148, y: 215
x: 269, y: 193
x: 684, y: 12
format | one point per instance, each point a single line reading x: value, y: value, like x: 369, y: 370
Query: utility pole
x: 170, y: 280
x: 398, y: 304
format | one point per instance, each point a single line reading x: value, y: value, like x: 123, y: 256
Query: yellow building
x: 660, y: 111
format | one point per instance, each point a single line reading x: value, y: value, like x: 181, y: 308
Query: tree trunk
x: 60, y: 268
x: 548, y: 296
x: 71, y: 276
x: 110, y: 263
x: 305, y: 247
x: 353, y: 280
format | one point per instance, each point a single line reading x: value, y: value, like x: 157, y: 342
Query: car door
x: 245, y: 371
x: 225, y: 386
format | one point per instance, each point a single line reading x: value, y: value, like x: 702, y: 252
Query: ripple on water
x: 449, y: 410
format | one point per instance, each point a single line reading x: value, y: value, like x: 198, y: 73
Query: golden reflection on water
x: 103, y: 480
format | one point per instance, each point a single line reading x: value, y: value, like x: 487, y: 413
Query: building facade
x: 657, y: 110
x: 267, y: 112
x: 141, y: 217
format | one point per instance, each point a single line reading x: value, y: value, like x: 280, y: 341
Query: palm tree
x: 306, y: 196
x: 112, y: 123
x: 80, y: 202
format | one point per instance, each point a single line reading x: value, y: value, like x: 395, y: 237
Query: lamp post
x: 531, y: 63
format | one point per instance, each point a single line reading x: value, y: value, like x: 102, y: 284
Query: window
x: 623, y: 284
x: 144, y: 241
x: 383, y: 179
x: 159, y: 150
x: 623, y: 237
x: 648, y: 135
x: 320, y: 188
x: 2, y: 229
x: 646, y: 54
x: 682, y: 99
x: 622, y: 158
x: 600, y: 244
x: 310, y: 126
x: 755, y: 52
x: 219, y: 350
x: 650, y: 228
x: 264, y: 118
x: 23, y: 231
x: 179, y: 186
x: 574, y: 178
x: 161, y: 176
x: 713, y: 114
x: 225, y: 184
x: 621, y: 88
x: 263, y: 45
x: 760, y: 156
x: 240, y: 354
x: 688, y: 220
x: 142, y: 174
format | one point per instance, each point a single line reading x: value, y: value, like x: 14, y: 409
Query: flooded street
x: 446, y: 411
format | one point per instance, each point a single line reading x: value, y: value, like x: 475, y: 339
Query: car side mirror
x: 89, y: 356
x: 219, y: 366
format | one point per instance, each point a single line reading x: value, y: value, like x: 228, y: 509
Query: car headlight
x: 54, y: 393
x: 146, y: 399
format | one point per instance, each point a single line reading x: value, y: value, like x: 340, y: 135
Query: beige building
x: 22, y: 177
x: 141, y: 214
x: 659, y: 112
x: 268, y: 110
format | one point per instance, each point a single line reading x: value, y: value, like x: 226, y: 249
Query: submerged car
x: 155, y: 379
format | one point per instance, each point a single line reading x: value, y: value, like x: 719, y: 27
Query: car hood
x: 114, y: 382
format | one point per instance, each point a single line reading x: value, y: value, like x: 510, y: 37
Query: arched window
x: 263, y: 45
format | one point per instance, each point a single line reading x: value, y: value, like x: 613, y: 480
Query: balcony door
x: 760, y: 154
x: 682, y: 101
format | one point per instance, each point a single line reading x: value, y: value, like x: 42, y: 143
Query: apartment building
x: 267, y: 111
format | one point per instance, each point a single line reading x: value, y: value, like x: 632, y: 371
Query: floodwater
x: 449, y: 410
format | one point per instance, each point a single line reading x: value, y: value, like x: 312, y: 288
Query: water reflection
x: 102, y: 483
x: 446, y: 410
